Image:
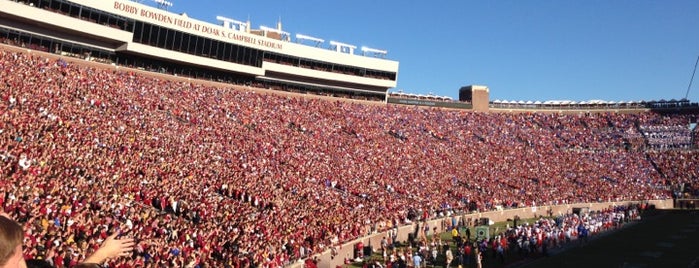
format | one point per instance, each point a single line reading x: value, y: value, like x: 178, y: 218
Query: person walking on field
x: 450, y: 257
x: 417, y: 260
x: 479, y: 258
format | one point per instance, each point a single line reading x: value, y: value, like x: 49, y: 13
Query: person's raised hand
x: 112, y: 248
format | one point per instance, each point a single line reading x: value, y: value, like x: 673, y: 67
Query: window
x: 114, y: 22
x: 138, y: 32
x: 228, y: 52
x: 220, y: 51
x: 235, y: 54
x: 45, y: 4
x: 73, y: 11
x: 232, y: 51
x: 177, y: 41
x: 154, y: 34
x: 55, y: 5
x: 200, y: 45
x: 205, y: 48
x: 93, y: 16
x: 184, y: 47
x: 128, y: 25
x: 149, y: 34
x: 173, y: 40
x: 163, y: 38
x: 193, y: 41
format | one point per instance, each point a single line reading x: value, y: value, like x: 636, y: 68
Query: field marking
x: 687, y: 230
x: 677, y: 237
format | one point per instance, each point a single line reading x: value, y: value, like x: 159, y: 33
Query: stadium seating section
x: 227, y: 176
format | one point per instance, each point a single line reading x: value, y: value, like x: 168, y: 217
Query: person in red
x: 58, y: 260
x: 360, y: 250
x: 503, y: 242
x: 311, y: 263
x: 467, y: 254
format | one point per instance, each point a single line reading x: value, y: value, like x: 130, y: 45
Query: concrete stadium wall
x: 325, y: 260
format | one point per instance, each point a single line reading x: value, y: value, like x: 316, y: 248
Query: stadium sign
x: 186, y: 24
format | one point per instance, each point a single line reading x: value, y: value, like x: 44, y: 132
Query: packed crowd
x: 548, y: 233
x: 666, y: 137
x: 21, y: 43
x: 518, y: 241
x: 226, y: 177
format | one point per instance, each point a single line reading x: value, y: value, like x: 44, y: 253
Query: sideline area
x: 667, y: 239
x: 326, y: 259
x: 512, y: 255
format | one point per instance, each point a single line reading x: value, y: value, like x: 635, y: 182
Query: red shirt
x: 58, y: 261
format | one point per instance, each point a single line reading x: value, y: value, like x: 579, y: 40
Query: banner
x: 482, y: 232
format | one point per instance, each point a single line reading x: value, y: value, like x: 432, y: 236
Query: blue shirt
x: 417, y: 260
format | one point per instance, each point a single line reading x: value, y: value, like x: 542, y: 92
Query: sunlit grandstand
x: 216, y: 158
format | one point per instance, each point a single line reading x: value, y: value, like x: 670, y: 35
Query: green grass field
x: 665, y: 238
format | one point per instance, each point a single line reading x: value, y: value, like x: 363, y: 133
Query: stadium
x: 225, y: 146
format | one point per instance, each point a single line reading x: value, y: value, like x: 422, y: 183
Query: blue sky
x: 618, y: 50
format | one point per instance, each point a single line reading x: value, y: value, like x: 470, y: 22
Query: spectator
x: 11, y: 237
x: 449, y: 257
x: 417, y: 260
x: 86, y: 152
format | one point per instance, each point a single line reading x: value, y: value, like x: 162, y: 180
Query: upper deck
x: 136, y: 29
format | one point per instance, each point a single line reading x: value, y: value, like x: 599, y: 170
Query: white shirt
x: 24, y: 163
